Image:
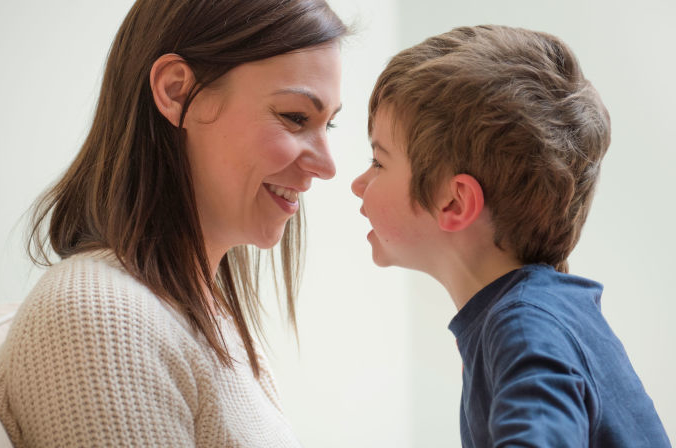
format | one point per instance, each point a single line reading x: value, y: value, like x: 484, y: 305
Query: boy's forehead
x: 376, y: 146
x: 387, y: 133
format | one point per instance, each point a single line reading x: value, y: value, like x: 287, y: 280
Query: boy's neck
x: 472, y: 262
x: 466, y: 279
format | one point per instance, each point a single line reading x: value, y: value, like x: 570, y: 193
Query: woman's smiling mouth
x: 286, y: 193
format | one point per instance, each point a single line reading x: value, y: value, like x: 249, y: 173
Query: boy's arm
x: 539, y: 394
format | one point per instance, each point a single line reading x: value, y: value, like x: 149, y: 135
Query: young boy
x: 487, y: 145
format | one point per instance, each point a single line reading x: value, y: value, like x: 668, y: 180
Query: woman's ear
x: 170, y: 80
x: 460, y: 201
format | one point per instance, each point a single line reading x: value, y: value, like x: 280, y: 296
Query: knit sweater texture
x: 94, y: 358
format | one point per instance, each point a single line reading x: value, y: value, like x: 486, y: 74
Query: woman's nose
x: 318, y: 161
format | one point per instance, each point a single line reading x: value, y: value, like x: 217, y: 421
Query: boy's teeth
x: 289, y: 195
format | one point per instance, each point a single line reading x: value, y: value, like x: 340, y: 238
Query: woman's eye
x: 375, y: 164
x: 330, y: 125
x: 296, y: 118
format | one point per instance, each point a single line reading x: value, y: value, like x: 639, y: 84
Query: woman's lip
x: 288, y: 207
x: 297, y: 189
x: 286, y: 193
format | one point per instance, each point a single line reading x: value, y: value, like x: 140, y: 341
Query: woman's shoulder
x: 94, y: 274
x: 91, y: 292
x: 92, y: 338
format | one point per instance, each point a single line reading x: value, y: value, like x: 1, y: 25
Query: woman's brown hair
x: 129, y: 189
x: 511, y: 108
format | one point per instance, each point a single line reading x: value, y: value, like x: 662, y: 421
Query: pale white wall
x: 376, y: 364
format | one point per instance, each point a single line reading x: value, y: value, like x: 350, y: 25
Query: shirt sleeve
x: 539, y: 393
x: 98, y: 368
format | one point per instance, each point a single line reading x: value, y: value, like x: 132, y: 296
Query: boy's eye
x: 375, y: 163
x: 330, y: 125
x: 296, y: 118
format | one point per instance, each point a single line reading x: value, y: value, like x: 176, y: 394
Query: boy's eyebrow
x: 301, y: 91
x: 376, y: 145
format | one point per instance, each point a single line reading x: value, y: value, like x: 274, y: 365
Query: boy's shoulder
x: 547, y: 332
x: 543, y: 307
x: 542, y: 287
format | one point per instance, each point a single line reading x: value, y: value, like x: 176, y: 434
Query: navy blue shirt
x: 542, y: 368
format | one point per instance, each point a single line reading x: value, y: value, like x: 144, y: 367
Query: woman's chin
x: 266, y: 245
x: 269, y: 241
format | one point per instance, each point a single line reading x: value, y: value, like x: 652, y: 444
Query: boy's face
x: 402, y: 234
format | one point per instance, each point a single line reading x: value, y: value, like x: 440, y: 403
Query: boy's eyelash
x: 330, y: 125
x: 375, y: 163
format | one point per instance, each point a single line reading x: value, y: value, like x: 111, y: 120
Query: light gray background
x: 376, y: 364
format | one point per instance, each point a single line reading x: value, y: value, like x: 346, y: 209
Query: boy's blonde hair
x: 511, y: 108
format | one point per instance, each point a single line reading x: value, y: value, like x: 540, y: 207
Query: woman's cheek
x: 280, y: 147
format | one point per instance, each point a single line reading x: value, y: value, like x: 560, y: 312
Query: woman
x: 211, y: 121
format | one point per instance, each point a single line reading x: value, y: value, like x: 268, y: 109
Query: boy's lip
x: 361, y: 210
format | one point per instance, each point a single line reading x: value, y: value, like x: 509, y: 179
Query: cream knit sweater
x: 93, y: 358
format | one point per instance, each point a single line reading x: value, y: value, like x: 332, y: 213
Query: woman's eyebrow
x: 305, y: 92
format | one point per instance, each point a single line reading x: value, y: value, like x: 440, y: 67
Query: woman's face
x: 255, y: 141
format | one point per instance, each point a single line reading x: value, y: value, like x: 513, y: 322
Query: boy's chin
x: 381, y: 257
x: 386, y: 261
x: 381, y: 263
x: 381, y: 260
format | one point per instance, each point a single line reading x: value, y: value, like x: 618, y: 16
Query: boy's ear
x: 460, y: 201
x: 170, y: 81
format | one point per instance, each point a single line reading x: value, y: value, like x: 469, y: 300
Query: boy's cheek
x: 387, y: 225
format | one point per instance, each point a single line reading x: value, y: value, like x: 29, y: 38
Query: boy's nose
x: 358, y: 185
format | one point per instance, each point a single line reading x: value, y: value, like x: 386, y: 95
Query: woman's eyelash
x: 297, y: 118
x: 300, y: 119
x: 375, y: 163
